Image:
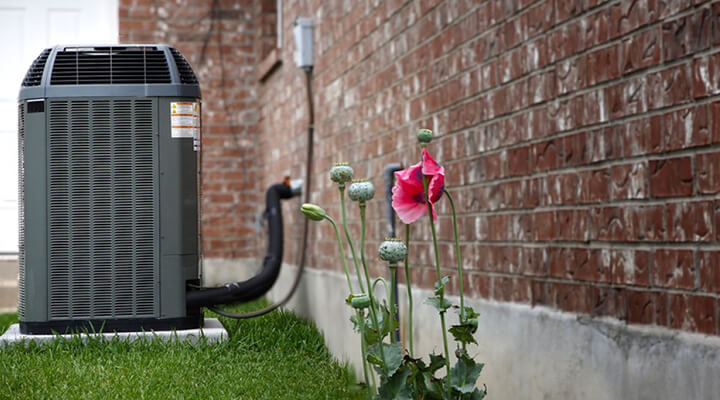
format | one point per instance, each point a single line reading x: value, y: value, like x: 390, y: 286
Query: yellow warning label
x: 184, y: 119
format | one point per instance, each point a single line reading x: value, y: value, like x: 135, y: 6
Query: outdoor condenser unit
x: 108, y: 190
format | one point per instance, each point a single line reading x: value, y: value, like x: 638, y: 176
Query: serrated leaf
x: 463, y: 333
x: 436, y: 362
x: 477, y: 394
x: 441, y: 305
x: 464, y: 374
x: 393, y: 357
x: 396, y: 387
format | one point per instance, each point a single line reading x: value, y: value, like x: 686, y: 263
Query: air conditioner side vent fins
x: 35, y: 73
x: 187, y: 76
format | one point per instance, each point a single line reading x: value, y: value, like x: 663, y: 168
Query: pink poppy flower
x: 408, y: 197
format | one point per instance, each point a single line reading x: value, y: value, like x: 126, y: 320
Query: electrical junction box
x: 303, y: 33
x: 108, y: 190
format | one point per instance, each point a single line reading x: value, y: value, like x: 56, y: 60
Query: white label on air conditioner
x: 184, y: 119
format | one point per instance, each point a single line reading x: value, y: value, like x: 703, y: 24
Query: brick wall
x: 580, y: 139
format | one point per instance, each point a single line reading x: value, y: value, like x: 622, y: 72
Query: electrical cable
x: 306, y: 197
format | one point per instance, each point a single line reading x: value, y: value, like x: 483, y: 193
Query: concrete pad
x: 213, y: 331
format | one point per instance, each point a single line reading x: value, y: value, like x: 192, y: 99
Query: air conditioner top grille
x: 110, y: 65
x: 184, y: 69
x: 35, y: 73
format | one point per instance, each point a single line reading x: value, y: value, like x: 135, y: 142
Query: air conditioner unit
x: 108, y: 190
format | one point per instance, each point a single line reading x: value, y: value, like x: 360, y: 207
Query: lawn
x: 277, y: 356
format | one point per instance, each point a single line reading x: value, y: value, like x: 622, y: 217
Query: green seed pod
x: 341, y: 173
x: 361, y: 301
x: 425, y: 135
x: 361, y: 190
x: 392, y: 250
x: 315, y: 213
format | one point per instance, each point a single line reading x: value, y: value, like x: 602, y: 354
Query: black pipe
x: 261, y: 283
x: 389, y: 181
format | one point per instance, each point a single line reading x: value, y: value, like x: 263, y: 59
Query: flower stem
x: 342, y: 253
x: 347, y: 236
x: 363, y: 349
x: 373, y: 311
x: 459, y: 261
x: 393, y: 294
x: 439, y: 280
x: 409, y: 290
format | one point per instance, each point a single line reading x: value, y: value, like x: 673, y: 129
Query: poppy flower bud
x: 425, y: 135
x: 361, y: 190
x: 341, y: 173
x: 360, y: 301
x: 315, y: 213
x: 392, y: 250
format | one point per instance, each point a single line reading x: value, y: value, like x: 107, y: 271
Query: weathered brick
x: 671, y: 177
x: 688, y: 127
x: 708, y: 172
x: 629, y: 181
x: 689, y: 222
x: 641, y: 50
x: 709, y: 271
x: 692, y: 313
x: 629, y: 267
x: 674, y: 269
x: 647, y: 307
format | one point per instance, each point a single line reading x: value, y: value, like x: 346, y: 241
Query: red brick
x: 607, y: 301
x: 572, y: 225
x: 706, y: 75
x: 689, y: 222
x: 570, y: 75
x: 596, y: 28
x: 629, y: 181
x: 569, y: 297
x: 561, y: 189
x: 607, y: 224
x: 643, y: 136
x: 662, y: 9
x: 647, y: 307
x: 545, y: 156
x: 715, y: 108
x: 594, y: 186
x: 709, y: 271
x: 602, y: 65
x: 671, y: 177
x: 688, y: 127
x: 539, y: 19
x: 674, y: 269
x: 629, y: 267
x: 716, y: 206
x: 627, y: 16
x: 670, y: 87
x: 627, y: 98
x: 641, y: 50
x: 578, y: 264
x: 708, y: 172
x: 693, y: 313
x: 518, y: 161
x: 544, y: 223
x: 644, y: 223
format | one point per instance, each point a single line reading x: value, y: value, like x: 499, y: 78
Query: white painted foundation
x: 532, y: 352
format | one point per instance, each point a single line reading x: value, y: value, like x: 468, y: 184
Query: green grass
x: 277, y: 356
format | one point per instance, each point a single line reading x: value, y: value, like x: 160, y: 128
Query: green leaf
x: 396, y: 387
x: 464, y: 374
x: 464, y: 333
x: 441, y: 305
x: 393, y: 357
x: 477, y: 394
x: 470, y: 313
x: 440, y: 286
x: 436, y: 362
